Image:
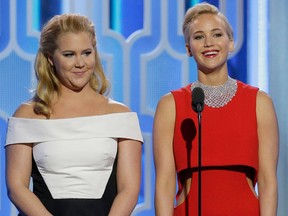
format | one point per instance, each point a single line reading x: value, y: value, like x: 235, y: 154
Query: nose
x: 79, y: 62
x: 207, y: 42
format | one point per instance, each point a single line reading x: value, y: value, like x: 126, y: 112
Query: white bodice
x: 75, y: 156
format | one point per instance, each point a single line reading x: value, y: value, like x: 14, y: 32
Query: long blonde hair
x: 48, y: 84
x: 199, y: 9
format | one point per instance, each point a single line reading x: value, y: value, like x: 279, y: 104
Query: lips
x: 210, y: 53
x: 78, y: 72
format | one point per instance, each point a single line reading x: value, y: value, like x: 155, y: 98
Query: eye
x: 87, y: 53
x: 198, y: 37
x: 68, y: 55
x: 216, y: 35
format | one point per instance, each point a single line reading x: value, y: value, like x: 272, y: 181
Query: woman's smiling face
x: 74, y: 60
x: 209, y: 43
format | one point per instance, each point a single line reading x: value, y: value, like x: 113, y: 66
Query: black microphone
x: 198, y: 106
x: 198, y: 99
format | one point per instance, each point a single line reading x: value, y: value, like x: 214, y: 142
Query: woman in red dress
x: 239, y: 133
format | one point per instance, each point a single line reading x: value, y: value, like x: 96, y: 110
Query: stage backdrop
x: 142, y: 50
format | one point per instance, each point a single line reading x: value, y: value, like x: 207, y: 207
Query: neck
x: 212, y: 79
x: 74, y: 93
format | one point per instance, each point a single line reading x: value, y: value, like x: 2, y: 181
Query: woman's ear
x: 231, y: 45
x: 188, y: 50
x: 50, y: 61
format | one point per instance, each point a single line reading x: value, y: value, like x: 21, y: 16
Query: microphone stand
x: 199, y: 161
x: 198, y: 98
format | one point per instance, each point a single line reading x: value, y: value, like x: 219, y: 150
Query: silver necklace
x: 218, y: 96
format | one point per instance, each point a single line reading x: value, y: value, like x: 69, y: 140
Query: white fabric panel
x: 120, y: 125
x: 75, y: 156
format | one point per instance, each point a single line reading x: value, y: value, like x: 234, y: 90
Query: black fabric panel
x: 75, y: 207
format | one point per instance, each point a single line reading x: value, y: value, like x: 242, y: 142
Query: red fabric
x: 224, y: 193
x: 229, y: 137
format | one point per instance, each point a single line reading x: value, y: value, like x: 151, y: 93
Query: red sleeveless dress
x: 229, y: 138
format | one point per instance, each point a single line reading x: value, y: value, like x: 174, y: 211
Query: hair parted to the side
x: 48, y: 83
x: 199, y: 9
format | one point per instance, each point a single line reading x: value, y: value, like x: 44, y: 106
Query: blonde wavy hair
x: 48, y: 84
x: 199, y: 9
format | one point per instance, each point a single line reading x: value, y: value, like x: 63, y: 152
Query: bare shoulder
x: 261, y: 95
x: 264, y: 107
x: 116, y: 107
x: 166, y: 102
x: 25, y: 110
x: 264, y: 100
x: 165, y: 111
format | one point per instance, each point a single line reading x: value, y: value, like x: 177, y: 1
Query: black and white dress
x: 74, y: 162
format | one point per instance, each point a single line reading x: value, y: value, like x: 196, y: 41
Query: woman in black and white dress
x: 81, y: 148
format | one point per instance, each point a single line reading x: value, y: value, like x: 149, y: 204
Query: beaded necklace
x: 218, y: 96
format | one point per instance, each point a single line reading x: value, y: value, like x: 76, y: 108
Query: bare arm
x: 163, y: 131
x: 128, y: 173
x: 18, y: 173
x: 128, y: 177
x: 268, y: 155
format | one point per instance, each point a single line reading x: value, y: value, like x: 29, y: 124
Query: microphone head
x: 198, y: 99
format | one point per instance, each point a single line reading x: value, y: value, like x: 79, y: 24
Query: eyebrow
x: 68, y: 50
x: 213, y: 30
